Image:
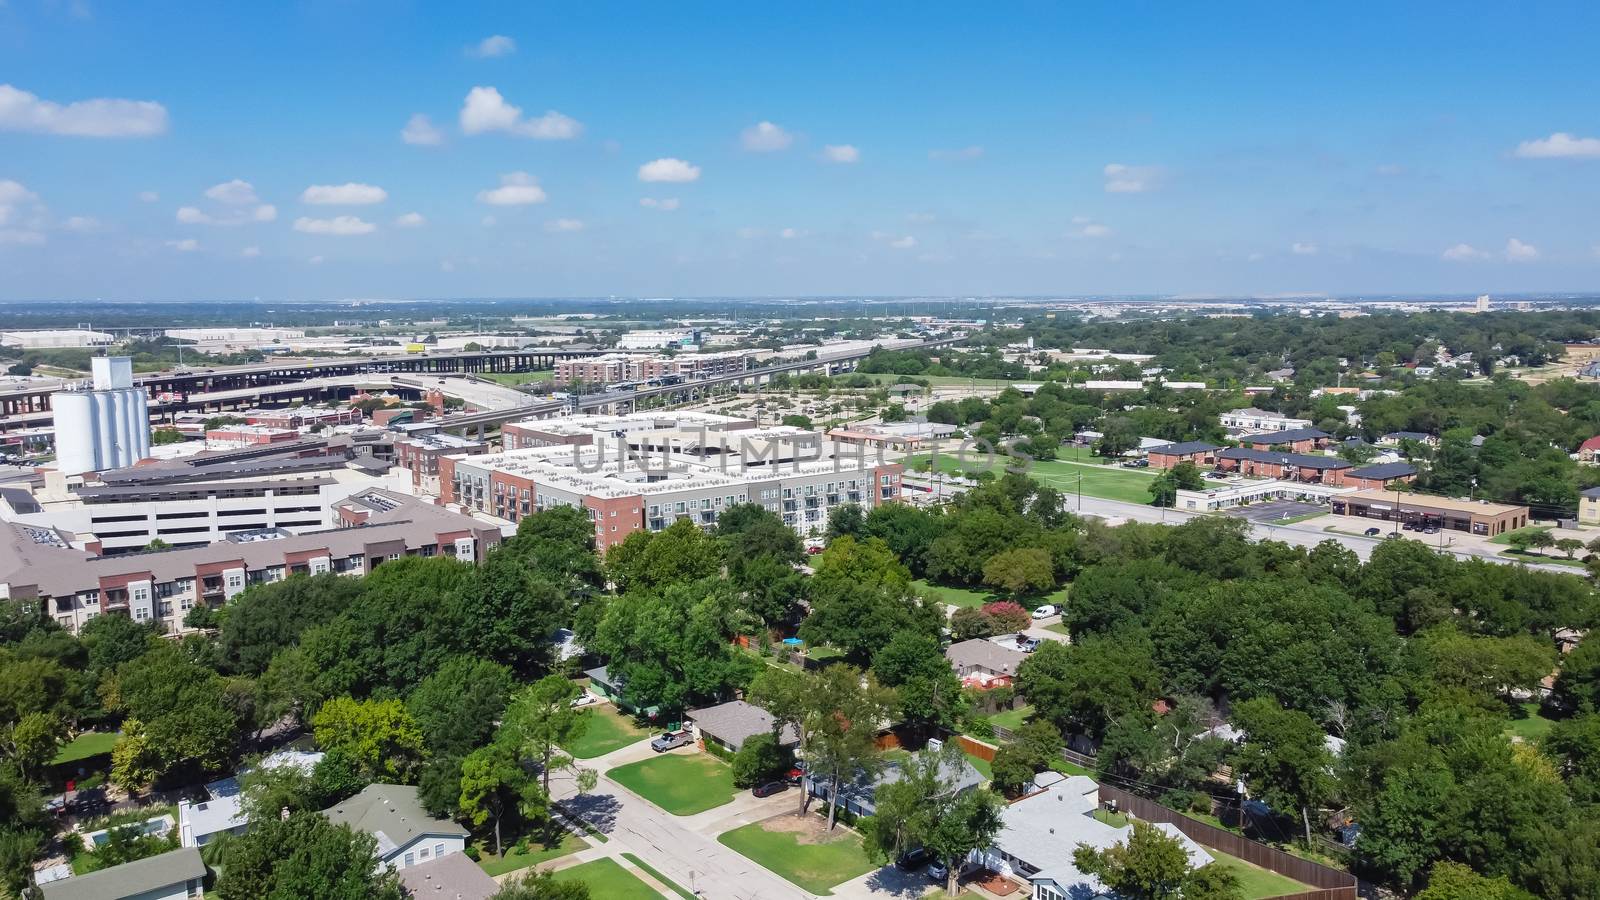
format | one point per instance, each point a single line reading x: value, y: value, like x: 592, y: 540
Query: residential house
x: 453, y: 876
x: 1198, y: 452
x: 406, y: 834
x: 1394, y: 438
x: 729, y: 725
x: 1589, y: 506
x: 857, y: 795
x: 174, y: 875
x: 610, y: 687
x: 222, y: 812
x: 1040, y: 832
x: 984, y: 664
x: 1300, y: 440
x: 1589, y: 449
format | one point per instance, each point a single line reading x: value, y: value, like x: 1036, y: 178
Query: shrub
x: 760, y: 759
x: 970, y: 622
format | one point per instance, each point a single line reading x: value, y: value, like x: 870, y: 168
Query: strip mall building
x: 1474, y: 517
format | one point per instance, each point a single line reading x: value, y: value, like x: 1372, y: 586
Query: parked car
x: 813, y: 550
x: 1027, y: 644
x: 1430, y: 530
x: 1374, y: 532
x: 585, y: 699
x: 1046, y: 611
x: 1393, y: 535
x: 938, y: 871
x: 911, y: 860
x: 672, y: 740
x: 1409, y: 527
x: 770, y: 788
x: 794, y: 775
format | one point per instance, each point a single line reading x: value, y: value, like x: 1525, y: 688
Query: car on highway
x: 1374, y: 532
x: 1046, y: 611
x: 770, y: 788
x: 672, y: 740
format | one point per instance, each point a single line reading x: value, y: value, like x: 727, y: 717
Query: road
x: 676, y: 847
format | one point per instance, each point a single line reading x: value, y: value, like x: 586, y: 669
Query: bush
x: 980, y: 727
x: 473, y: 853
x: 759, y: 760
x: 970, y: 622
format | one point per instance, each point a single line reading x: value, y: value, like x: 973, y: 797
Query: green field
x: 90, y: 743
x: 966, y: 597
x: 1012, y: 718
x: 816, y: 867
x: 608, y: 730
x: 651, y: 871
x: 607, y: 878
x: 1531, y: 726
x: 515, y: 859
x: 1256, y: 883
x: 518, y: 378
x: 982, y: 765
x: 1104, y: 482
x: 1505, y: 537
x: 680, y: 783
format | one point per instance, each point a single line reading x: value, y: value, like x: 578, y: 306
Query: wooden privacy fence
x: 1330, y: 883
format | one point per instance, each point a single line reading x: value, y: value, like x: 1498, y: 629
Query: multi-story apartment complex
x: 645, y: 478
x: 607, y: 369
x: 420, y: 455
x: 616, y: 367
x: 203, y: 499
x: 583, y: 431
x: 303, y: 417
x: 72, y: 584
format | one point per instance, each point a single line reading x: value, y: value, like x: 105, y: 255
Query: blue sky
x: 909, y: 148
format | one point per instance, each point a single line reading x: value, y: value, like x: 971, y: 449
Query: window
x: 438, y: 849
x: 424, y: 853
x: 409, y: 861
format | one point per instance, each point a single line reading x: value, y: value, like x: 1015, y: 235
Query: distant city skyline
x: 315, y: 150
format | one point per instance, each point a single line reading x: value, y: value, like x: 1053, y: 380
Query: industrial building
x: 238, y: 337
x: 1250, y: 420
x: 105, y: 427
x: 59, y: 339
x: 683, y: 338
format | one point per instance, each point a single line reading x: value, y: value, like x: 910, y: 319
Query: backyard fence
x: 1330, y: 883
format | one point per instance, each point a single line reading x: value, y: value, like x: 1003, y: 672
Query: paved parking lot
x: 1274, y: 510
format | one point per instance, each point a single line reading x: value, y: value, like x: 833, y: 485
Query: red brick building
x: 1200, y: 453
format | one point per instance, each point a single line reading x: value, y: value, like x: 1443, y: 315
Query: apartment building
x: 647, y: 479
x: 73, y: 584
x: 617, y: 367
x: 1251, y: 420
x: 303, y: 417
x: 582, y: 431
x: 203, y: 499
x: 607, y: 369
x: 420, y: 455
x: 229, y: 437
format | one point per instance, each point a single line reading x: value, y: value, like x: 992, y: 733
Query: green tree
x: 1284, y: 759
x: 458, y: 706
x: 760, y: 759
x: 925, y: 808
x: 304, y: 855
x: 32, y: 741
x: 846, y: 520
x: 847, y: 709
x: 1020, y: 572
x: 541, y: 886
x: 653, y: 560
x: 928, y: 690
x: 1578, y: 683
x: 381, y: 736
x: 541, y: 719
x: 1453, y: 881
x: 860, y: 597
x: 1152, y: 865
x: 1087, y: 685
x: 1163, y: 490
x: 494, y: 783
x: 1569, y: 546
x: 789, y: 698
x: 672, y: 646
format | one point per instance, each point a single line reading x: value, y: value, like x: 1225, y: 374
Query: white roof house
x: 1039, y: 834
x: 222, y: 811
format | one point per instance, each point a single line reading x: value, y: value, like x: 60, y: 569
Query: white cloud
x: 903, y: 243
x: 348, y: 194
x: 921, y: 218
x: 1125, y: 179
x: 516, y: 189
x: 13, y: 196
x: 1389, y: 170
x: 101, y: 118
x: 485, y: 110
x: 411, y: 220
x: 765, y: 137
x: 315, y: 260
x: 1517, y: 251
x: 790, y: 234
x: 841, y: 153
x: 193, y: 215
x: 960, y: 154
x: 81, y: 224
x: 21, y: 236
x: 341, y: 226
x: 493, y: 46
x: 420, y: 131
x: 1303, y: 248
x: 489, y: 221
x: 1463, y: 253
x: 149, y: 196
x: 187, y: 245
x: 233, y: 193
x: 669, y: 169
x: 563, y: 225
x: 1088, y: 229
x: 665, y: 204
x: 265, y: 213
x: 250, y: 252
x: 1560, y: 145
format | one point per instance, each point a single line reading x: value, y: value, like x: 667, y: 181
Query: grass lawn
x: 823, y: 653
x: 1531, y: 726
x: 516, y: 378
x: 607, y: 878
x: 1066, y: 768
x: 1305, y: 518
x: 658, y: 876
x: 1255, y: 882
x: 1556, y: 557
x: 1012, y: 718
x: 90, y: 743
x: 816, y: 863
x: 1107, y: 817
x: 1105, y: 482
x: 960, y: 597
x: 1505, y: 537
x: 982, y: 765
x: 680, y: 783
x: 1058, y: 628
x: 608, y: 730
x: 537, y: 853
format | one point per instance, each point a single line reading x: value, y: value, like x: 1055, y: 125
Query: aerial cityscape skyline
x: 516, y: 152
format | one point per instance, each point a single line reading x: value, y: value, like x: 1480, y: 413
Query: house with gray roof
x: 983, y: 662
x: 406, y: 834
x: 453, y: 876
x: 174, y: 875
x: 729, y: 725
x: 1040, y: 832
x: 858, y: 796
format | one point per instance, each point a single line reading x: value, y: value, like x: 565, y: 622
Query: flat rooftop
x: 1406, y: 500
